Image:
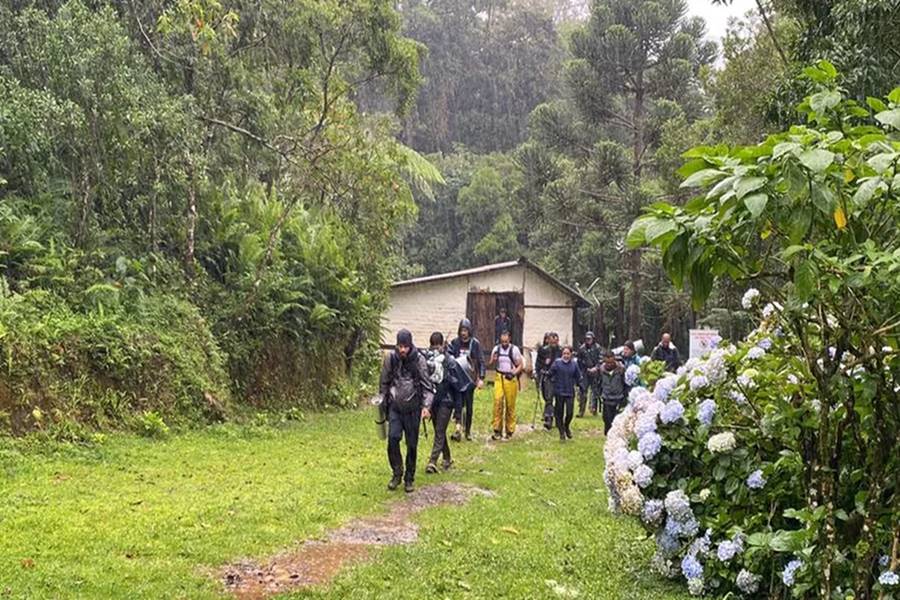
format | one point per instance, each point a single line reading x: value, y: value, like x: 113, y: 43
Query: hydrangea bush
x: 776, y: 462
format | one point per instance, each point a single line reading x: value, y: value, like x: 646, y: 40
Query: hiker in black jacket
x: 502, y: 323
x: 566, y: 376
x: 588, y: 356
x: 451, y: 381
x: 546, y: 356
x: 667, y: 352
x: 406, y: 388
x: 612, y: 388
x: 467, y: 351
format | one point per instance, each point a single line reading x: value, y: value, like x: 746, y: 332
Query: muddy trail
x: 317, y: 562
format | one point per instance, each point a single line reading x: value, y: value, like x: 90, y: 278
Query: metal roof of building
x: 497, y: 267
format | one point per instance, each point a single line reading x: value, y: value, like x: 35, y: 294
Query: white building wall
x: 424, y: 308
x: 540, y: 320
x: 505, y: 280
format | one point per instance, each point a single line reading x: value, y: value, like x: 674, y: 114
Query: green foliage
x: 809, y: 216
x: 152, y: 425
x: 221, y: 169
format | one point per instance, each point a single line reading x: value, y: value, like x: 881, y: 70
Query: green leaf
x: 691, y: 167
x: 876, y: 104
x: 882, y: 162
x: 823, y: 198
x: 805, y: 276
x: 791, y: 251
x: 747, y: 185
x: 784, y: 148
x: 756, y: 204
x: 817, y: 160
x: 827, y: 68
x: 657, y: 228
x: 636, y: 236
x: 866, y: 191
x: 894, y: 96
x: 702, y: 178
x: 889, y: 117
x: 824, y: 101
x: 799, y: 226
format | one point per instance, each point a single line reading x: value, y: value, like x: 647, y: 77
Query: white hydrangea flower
x: 721, y: 443
x: 750, y: 298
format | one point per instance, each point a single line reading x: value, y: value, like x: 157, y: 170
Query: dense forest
x: 202, y: 203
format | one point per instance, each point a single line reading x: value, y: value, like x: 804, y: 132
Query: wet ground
x: 317, y: 562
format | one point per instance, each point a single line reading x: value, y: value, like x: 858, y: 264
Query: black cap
x: 404, y: 338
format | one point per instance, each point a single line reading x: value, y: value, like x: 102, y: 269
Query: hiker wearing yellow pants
x: 507, y: 360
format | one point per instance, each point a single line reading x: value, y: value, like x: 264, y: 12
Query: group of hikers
x: 439, y: 384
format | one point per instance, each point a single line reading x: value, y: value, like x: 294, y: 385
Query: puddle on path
x: 317, y: 562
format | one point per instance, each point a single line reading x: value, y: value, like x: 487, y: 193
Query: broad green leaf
x: 702, y: 178
x: 805, y: 276
x: 656, y: 228
x: 894, y: 96
x: 791, y: 251
x: 817, y: 160
x: 866, y: 191
x: 799, y: 225
x: 825, y: 100
x: 876, y: 104
x: 636, y: 236
x: 889, y: 117
x: 747, y: 185
x: 882, y: 162
x: 691, y: 167
x: 784, y: 148
x: 827, y: 68
x: 756, y: 204
x: 823, y: 198
x: 718, y: 189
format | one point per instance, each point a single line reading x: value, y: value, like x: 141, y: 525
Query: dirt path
x: 317, y: 562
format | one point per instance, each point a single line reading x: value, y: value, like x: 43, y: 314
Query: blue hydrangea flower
x: 706, y: 411
x: 643, y: 476
x: 755, y: 353
x: 701, y: 544
x: 664, y: 387
x: 737, y: 396
x: 715, y: 341
x: 698, y: 382
x: 668, y: 545
x: 679, y: 505
x: 748, y: 582
x: 787, y: 577
x: 652, y: 512
x: 671, y: 412
x: 756, y: 481
x: 765, y: 343
x: 691, y: 567
x: 631, y: 374
x: 645, y: 424
x: 884, y: 560
x: 889, y: 578
x: 726, y: 551
x: 649, y: 445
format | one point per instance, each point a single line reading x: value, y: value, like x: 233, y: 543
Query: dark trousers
x: 565, y: 406
x: 547, y: 394
x: 403, y: 424
x: 468, y: 403
x: 441, y: 420
x: 590, y: 386
x: 610, y: 410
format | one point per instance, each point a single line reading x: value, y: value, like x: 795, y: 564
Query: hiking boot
x: 509, y: 434
x: 431, y: 468
x: 497, y: 436
x: 408, y: 487
x: 394, y: 483
x: 562, y: 437
x: 447, y: 465
x: 456, y: 437
x: 468, y: 437
x: 569, y: 433
x: 580, y: 415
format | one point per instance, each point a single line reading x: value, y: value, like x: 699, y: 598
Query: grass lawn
x: 139, y: 518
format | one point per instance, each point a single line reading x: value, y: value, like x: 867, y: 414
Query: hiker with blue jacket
x: 451, y: 383
x: 565, y: 375
x: 466, y: 349
x: 408, y: 391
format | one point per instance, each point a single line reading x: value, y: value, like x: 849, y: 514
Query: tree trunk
x: 191, y: 225
x: 633, y: 258
x: 620, y: 316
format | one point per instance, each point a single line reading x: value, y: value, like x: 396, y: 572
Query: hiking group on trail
x: 439, y: 384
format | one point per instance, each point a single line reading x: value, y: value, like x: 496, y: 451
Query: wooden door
x: 515, y: 308
x: 480, y: 311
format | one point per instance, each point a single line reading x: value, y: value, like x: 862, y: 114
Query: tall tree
x: 636, y: 66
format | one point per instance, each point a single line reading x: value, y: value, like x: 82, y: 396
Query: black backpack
x: 405, y: 389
